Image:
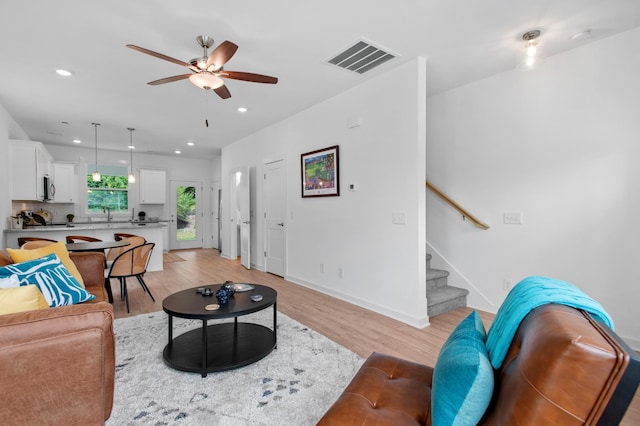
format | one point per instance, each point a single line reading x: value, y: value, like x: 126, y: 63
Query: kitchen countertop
x: 92, y: 225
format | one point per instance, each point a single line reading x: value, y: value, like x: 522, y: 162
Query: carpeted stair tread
x: 444, y: 299
x: 433, y: 274
x: 442, y: 294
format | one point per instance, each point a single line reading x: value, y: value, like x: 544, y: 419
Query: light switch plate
x: 512, y: 218
x: 399, y: 218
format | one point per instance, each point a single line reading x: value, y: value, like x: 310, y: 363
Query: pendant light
x: 132, y: 177
x: 96, y: 177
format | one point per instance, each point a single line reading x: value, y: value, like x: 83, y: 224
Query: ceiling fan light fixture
x: 206, y: 80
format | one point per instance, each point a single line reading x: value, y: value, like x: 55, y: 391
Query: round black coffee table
x: 221, y: 346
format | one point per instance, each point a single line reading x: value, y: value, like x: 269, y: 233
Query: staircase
x: 441, y: 297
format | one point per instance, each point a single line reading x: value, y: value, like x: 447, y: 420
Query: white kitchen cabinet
x: 30, y: 162
x: 153, y: 186
x: 65, y: 180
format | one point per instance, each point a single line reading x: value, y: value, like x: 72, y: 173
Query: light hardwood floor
x: 358, y: 329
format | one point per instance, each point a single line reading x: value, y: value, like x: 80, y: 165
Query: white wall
x: 383, y: 263
x: 9, y: 129
x: 560, y: 144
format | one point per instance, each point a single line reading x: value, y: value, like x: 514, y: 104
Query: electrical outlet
x: 506, y: 285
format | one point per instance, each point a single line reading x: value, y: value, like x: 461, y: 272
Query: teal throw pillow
x: 463, y: 377
x: 54, y: 280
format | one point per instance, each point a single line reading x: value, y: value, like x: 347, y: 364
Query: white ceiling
x: 463, y: 40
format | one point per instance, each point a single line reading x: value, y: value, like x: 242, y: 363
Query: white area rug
x: 293, y: 385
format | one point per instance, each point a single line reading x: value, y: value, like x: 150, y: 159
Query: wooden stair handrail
x: 465, y: 214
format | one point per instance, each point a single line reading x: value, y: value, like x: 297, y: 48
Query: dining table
x: 95, y: 245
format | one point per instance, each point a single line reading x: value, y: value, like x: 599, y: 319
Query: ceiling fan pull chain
x: 206, y: 108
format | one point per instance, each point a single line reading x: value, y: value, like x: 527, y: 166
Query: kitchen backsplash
x: 59, y: 212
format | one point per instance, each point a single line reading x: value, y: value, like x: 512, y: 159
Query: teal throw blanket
x: 527, y: 295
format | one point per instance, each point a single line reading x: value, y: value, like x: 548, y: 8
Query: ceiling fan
x: 207, y: 71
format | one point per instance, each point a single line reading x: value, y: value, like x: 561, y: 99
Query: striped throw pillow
x: 54, y: 280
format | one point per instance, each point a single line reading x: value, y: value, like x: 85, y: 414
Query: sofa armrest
x: 57, y: 366
x: 563, y: 367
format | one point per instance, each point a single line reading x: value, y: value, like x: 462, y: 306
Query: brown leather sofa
x: 562, y: 368
x: 57, y: 365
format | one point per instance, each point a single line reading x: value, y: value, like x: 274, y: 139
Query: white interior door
x: 186, y: 215
x: 275, y: 206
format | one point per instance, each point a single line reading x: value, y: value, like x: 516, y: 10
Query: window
x: 112, y: 191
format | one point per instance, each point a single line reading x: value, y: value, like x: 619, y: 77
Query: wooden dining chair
x: 133, y: 241
x: 132, y: 262
x: 23, y: 240
x: 81, y: 239
x: 36, y: 244
x: 121, y: 235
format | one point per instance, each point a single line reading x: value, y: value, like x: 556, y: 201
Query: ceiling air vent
x: 361, y: 57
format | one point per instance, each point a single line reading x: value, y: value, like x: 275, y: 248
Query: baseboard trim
x: 417, y: 322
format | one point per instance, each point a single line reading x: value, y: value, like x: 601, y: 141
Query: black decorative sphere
x: 223, y: 296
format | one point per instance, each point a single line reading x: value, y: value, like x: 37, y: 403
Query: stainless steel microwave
x: 49, y: 189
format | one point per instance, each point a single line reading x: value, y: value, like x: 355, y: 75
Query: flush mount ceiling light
x: 132, y: 177
x: 530, y: 56
x: 96, y: 177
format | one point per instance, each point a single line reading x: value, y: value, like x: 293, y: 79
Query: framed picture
x: 320, y: 174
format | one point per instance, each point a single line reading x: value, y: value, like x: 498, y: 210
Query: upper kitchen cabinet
x: 65, y: 178
x: 30, y: 164
x: 153, y: 186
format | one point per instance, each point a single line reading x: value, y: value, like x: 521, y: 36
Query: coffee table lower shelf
x: 229, y: 345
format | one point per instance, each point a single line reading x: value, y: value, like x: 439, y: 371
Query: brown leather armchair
x: 57, y: 365
x: 562, y: 368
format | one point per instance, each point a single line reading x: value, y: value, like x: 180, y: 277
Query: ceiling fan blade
x: 158, y: 55
x: 223, y: 92
x: 247, y: 76
x: 222, y: 54
x: 169, y: 79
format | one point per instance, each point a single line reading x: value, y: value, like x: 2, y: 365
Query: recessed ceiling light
x: 242, y: 109
x: 77, y: 141
x: 190, y: 143
x: 64, y: 73
x: 177, y: 151
x: 131, y: 147
x: 581, y: 36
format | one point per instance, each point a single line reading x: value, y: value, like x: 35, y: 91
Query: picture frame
x: 320, y: 172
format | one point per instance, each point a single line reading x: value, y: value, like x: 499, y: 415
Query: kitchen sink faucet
x: 108, y: 211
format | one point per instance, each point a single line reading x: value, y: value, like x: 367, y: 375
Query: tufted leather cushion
x: 388, y: 391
